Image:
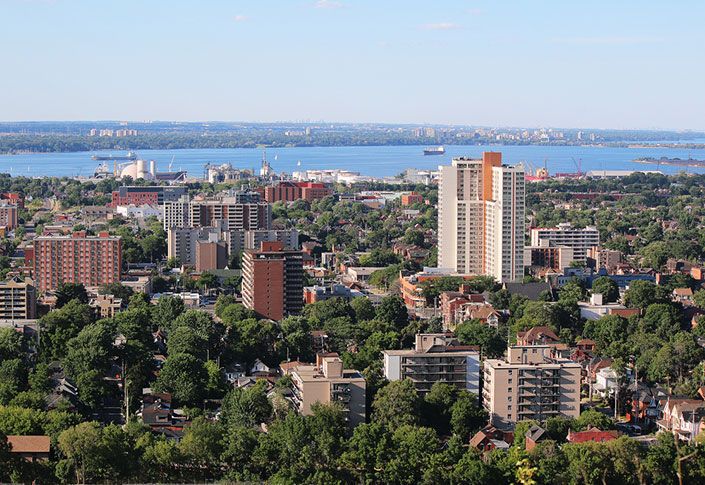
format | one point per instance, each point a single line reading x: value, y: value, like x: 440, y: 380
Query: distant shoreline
x: 136, y: 144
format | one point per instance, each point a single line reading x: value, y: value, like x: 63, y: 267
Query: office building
x: 8, y: 215
x: 148, y: 194
x: 18, y: 299
x: 77, y: 258
x: 436, y: 357
x: 328, y: 382
x: 580, y: 239
x: 530, y: 384
x: 481, y: 217
x: 272, y: 280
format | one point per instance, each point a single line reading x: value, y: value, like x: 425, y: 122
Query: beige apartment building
x: 436, y: 357
x: 581, y: 239
x: 106, y: 306
x: 18, y: 299
x: 530, y: 384
x: 481, y: 217
x: 327, y: 382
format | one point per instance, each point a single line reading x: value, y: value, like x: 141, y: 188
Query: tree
x: 117, y: 290
x: 607, y: 287
x: 60, y: 326
x: 573, y: 290
x: 168, y: 308
x: 393, y: 310
x: 235, y: 312
x: 587, y: 462
x: 593, y: 419
x: 12, y: 345
x: 320, y: 312
x: 661, y: 319
x: 222, y: 302
x: 644, y: 293
x: 414, y: 448
x: 396, y: 404
x: 70, y: 291
x: 363, y: 308
x: 184, y: 376
x: 297, y: 338
x: 202, y: 444
x: 207, y: 280
x: 88, y: 360
x: 247, y: 407
x: 474, y: 332
x: 81, y: 445
x: 655, y: 254
x: 466, y: 416
x: 185, y: 340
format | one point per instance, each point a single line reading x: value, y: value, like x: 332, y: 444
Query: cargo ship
x: 130, y: 156
x: 434, y: 151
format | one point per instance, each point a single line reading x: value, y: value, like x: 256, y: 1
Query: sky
x: 586, y: 64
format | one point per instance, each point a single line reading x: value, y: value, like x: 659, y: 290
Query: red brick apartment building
x: 76, y: 258
x: 291, y: 191
x: 272, y: 280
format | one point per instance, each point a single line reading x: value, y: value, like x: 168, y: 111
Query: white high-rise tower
x: 481, y: 217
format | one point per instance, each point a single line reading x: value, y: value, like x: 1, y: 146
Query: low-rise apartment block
x: 580, y: 239
x: 328, y: 382
x: 18, y: 299
x: 530, y: 384
x: 436, y: 357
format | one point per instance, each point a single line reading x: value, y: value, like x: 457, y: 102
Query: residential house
x: 491, y: 438
x: 30, y: 447
x: 593, y: 434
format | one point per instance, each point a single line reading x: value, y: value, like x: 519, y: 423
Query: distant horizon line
x: 378, y: 123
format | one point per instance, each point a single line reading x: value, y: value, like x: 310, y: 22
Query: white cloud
x: 607, y: 40
x: 475, y: 11
x: 241, y: 18
x: 441, y: 26
x: 328, y: 4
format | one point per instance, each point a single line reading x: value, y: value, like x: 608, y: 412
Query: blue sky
x: 596, y: 64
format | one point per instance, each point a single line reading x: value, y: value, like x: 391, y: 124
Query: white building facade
x: 481, y: 217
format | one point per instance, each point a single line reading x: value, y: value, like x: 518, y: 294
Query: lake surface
x: 379, y: 161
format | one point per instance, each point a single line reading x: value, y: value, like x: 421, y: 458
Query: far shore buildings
x: 77, y: 258
x: 272, y: 280
x: 530, y: 384
x: 481, y: 217
x: 436, y: 357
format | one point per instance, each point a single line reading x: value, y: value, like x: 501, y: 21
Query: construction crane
x: 578, y: 164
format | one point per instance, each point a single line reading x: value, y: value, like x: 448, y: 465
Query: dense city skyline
x: 549, y: 65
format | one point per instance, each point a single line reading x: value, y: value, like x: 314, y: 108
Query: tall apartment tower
x: 481, y: 217
x: 272, y: 280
